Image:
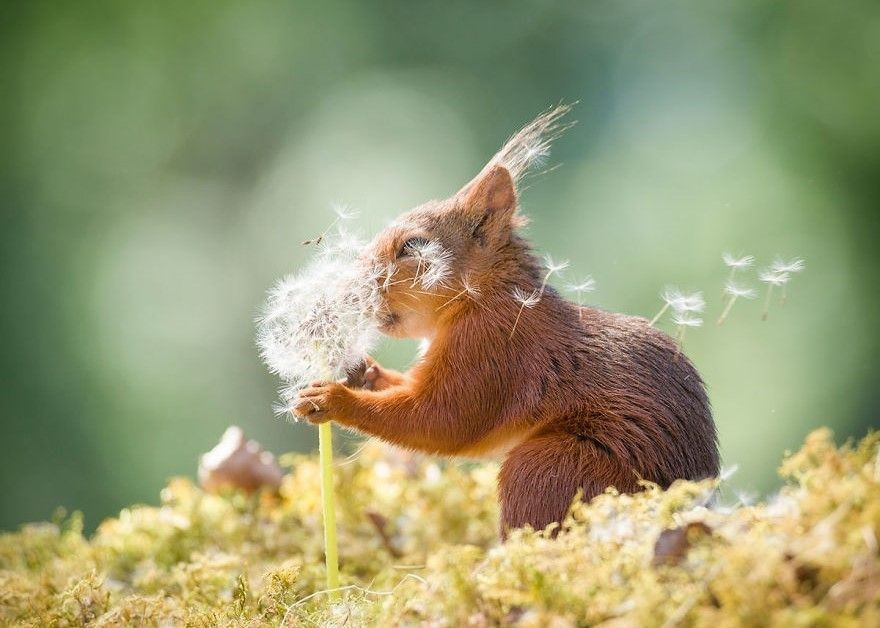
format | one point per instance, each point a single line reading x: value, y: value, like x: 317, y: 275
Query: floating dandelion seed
x: 669, y: 296
x: 526, y: 300
x: 733, y: 292
x: 735, y: 264
x: 343, y: 213
x: 683, y: 320
x: 469, y: 289
x: 790, y: 267
x: 580, y: 289
x: 533, y: 298
x: 693, y: 302
x: 679, y: 302
x: 587, y: 285
x: 772, y: 279
x: 552, y: 268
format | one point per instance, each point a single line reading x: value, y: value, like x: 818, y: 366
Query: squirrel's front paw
x: 370, y: 375
x: 322, y: 401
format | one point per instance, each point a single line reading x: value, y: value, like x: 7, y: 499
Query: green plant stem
x: 328, y: 500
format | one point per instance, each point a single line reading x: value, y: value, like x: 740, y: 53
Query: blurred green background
x: 162, y: 163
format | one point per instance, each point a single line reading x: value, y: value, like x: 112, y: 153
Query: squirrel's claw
x: 321, y: 401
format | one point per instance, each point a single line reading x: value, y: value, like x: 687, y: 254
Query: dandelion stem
x: 782, y: 300
x: 767, y: 302
x: 328, y: 500
x: 659, y: 314
x: 731, y: 299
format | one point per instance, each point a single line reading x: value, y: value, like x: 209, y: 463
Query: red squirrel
x: 574, y: 398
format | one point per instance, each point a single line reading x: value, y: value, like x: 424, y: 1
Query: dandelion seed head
x: 738, y: 291
x: 320, y: 322
x: 794, y: 265
x: 774, y: 278
x: 731, y: 261
x: 587, y: 285
x: 526, y: 299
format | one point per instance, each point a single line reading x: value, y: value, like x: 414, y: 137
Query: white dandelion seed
x: 733, y: 292
x: 687, y: 320
x: 320, y: 322
x: 693, y: 302
x: 471, y: 289
x: 587, y: 285
x: 529, y: 300
x: 343, y: 213
x: 530, y: 146
x: 387, y: 275
x: 526, y: 300
x: 679, y: 302
x: 683, y: 320
x: 736, y: 263
x: 792, y: 266
x: 580, y: 289
x: 773, y: 279
x: 670, y: 295
x: 468, y: 289
x: 553, y: 268
x: 434, y: 263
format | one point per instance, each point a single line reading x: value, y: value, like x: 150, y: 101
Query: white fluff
x: 320, y: 322
x: 531, y: 145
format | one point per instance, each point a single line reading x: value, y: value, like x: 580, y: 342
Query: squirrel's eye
x: 411, y: 246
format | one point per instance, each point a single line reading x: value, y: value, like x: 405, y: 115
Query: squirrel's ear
x: 492, y: 188
x: 490, y: 199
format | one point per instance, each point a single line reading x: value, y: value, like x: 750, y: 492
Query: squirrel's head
x: 440, y: 256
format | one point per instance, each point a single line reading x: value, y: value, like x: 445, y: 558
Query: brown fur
x: 576, y: 398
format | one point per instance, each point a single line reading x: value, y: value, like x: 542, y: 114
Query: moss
x: 418, y: 545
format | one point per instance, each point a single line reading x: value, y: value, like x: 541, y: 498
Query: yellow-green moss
x: 418, y: 545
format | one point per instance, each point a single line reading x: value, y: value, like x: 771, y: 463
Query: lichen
x: 418, y: 545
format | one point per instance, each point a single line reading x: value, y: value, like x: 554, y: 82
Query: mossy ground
x: 419, y: 546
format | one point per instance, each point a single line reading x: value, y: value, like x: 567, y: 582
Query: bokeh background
x: 162, y: 163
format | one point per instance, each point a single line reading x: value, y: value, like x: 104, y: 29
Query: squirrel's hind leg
x: 541, y: 476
